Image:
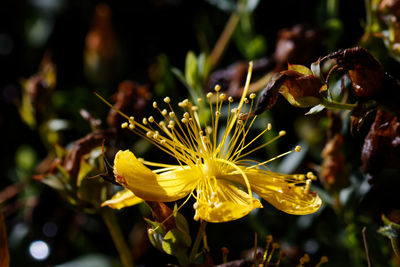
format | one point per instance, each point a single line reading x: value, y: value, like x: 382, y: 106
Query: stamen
x: 209, y: 95
x: 164, y: 112
x: 154, y: 104
x: 124, y: 125
x: 167, y: 100
x: 252, y: 95
x: 131, y: 126
x: 151, y: 119
x: 230, y: 99
x: 297, y: 148
x: 217, y: 88
x: 282, y: 133
x: 144, y: 121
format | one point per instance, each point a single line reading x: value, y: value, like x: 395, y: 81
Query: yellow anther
x: 246, y: 100
x: 172, y: 114
x: 195, y: 108
x: 167, y: 100
x: 252, y: 95
x: 162, y: 141
x: 184, y: 120
x: 154, y: 104
x: 149, y: 134
x: 282, y: 133
x: 311, y: 176
x: 156, y: 134
x: 131, y: 126
x: 162, y: 123
x: 171, y: 124
x: 164, y: 112
x: 217, y: 113
x: 269, y: 127
x: 144, y: 121
x: 196, y: 205
x: 324, y: 259
x: 151, y: 119
x: 222, y: 96
x: 209, y: 95
x: 199, y: 99
x: 124, y: 125
x: 209, y: 129
x: 217, y: 88
x: 186, y: 115
x: 230, y: 99
x: 297, y: 148
x: 150, y: 231
x: 196, y: 216
x: 131, y: 118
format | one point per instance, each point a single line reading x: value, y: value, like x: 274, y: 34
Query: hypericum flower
x: 211, y: 166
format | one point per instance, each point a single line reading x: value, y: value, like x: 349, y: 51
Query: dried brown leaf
x: 131, y: 98
x: 382, y: 145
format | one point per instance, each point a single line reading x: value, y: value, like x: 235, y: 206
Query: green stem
x: 196, y: 244
x: 224, y: 39
x: 395, y: 246
x: 337, y: 105
x: 115, y: 231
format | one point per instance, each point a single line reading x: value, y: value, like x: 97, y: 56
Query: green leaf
x: 175, y: 241
x: 84, y: 170
x: 300, y: 68
x: 180, y: 221
x: 191, y: 70
x: 388, y: 231
x: 315, y: 109
x: 156, y: 239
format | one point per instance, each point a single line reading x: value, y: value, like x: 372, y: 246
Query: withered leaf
x: 382, y: 145
x: 334, y: 173
x: 82, y: 147
x: 160, y: 212
x: 299, y: 89
x: 365, y: 71
x: 131, y: 98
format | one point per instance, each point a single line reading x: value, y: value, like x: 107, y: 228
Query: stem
x: 196, y: 244
x: 395, y: 246
x: 364, y: 235
x: 337, y: 105
x: 223, y: 40
x: 115, y: 231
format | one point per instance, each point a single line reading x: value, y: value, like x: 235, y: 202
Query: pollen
x: 151, y: 119
x: 167, y: 100
x: 282, y: 133
x: 209, y: 95
x: 297, y: 148
x: 131, y: 126
x: 217, y: 88
x: 154, y: 104
x: 144, y: 121
x: 124, y: 125
x: 252, y: 95
x: 164, y: 112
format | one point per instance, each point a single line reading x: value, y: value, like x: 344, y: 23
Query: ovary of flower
x: 215, y: 172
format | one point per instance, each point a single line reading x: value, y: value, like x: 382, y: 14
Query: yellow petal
x: 230, y: 203
x: 167, y: 186
x: 122, y: 199
x: 282, y: 191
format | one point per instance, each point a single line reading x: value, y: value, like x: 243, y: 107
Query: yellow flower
x: 211, y: 166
